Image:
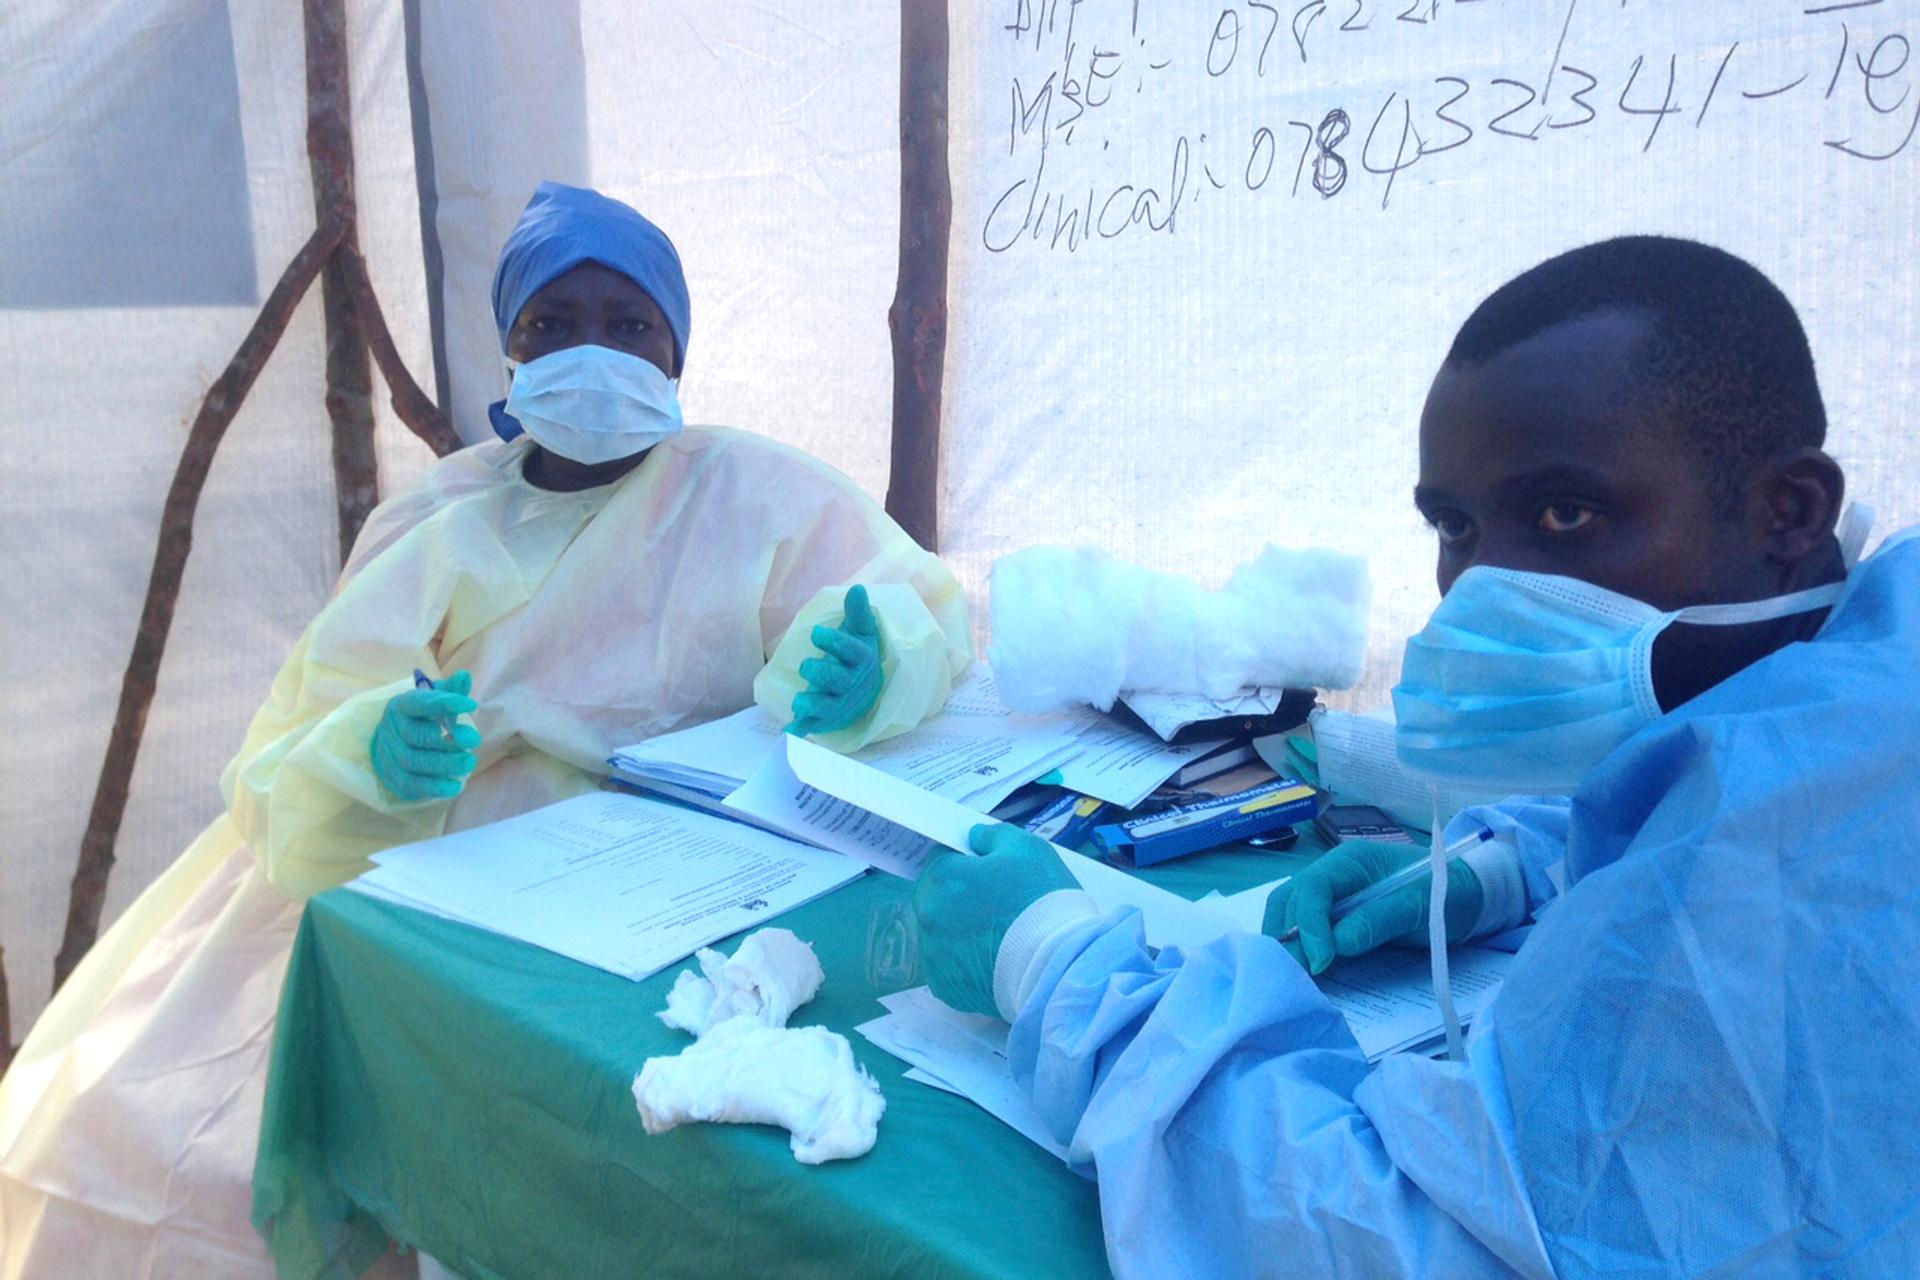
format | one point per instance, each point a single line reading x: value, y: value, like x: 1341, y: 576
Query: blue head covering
x: 563, y: 227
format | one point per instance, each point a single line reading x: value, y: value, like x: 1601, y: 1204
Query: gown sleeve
x: 926, y: 641
x: 1236, y: 1129
x: 302, y: 791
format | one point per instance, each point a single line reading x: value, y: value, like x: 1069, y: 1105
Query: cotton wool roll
x: 746, y: 1066
x: 1075, y: 626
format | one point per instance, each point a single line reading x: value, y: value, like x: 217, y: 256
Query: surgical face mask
x: 594, y: 404
x: 1523, y: 682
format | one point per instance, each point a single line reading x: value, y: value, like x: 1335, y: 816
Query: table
x: 470, y: 1096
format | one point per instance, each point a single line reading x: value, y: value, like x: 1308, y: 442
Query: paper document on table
x: 1386, y: 996
x: 777, y: 797
x: 962, y: 1054
x: 1358, y: 765
x: 1248, y: 908
x: 713, y: 757
x: 975, y: 751
x: 976, y: 760
x: 977, y: 694
x: 1123, y: 766
x: 1106, y: 759
x: 620, y: 882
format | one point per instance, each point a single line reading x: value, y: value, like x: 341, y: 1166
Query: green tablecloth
x: 469, y: 1095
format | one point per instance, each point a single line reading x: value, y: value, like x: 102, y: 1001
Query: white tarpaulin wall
x: 153, y: 185
x: 1252, y: 370
x: 1183, y: 326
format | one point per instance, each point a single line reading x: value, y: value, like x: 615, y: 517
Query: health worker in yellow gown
x: 600, y: 575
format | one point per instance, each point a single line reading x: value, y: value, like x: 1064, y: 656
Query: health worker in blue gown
x: 1702, y: 1060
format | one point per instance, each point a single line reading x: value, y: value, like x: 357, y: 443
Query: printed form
x: 620, y: 882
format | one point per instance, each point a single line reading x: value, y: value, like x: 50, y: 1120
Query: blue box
x: 1208, y: 824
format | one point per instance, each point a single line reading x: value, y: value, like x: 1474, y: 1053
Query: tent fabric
x: 100, y: 393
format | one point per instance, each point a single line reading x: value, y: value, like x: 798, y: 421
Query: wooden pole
x: 137, y: 685
x: 918, y: 317
x: 354, y: 324
x: 415, y: 408
x: 356, y: 471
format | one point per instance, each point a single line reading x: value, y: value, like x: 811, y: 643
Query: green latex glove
x: 1306, y: 902
x: 844, y: 682
x: 964, y: 907
x: 412, y: 758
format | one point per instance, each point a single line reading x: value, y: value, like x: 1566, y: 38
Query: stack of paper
x: 844, y: 804
x: 960, y: 1053
x: 708, y: 760
x: 623, y: 883
x: 975, y: 752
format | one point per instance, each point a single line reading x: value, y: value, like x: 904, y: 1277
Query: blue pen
x: 420, y: 681
x: 1406, y: 875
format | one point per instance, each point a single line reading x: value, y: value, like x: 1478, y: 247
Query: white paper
x: 1123, y: 766
x: 777, y: 796
x: 1387, y: 999
x: 976, y: 760
x: 977, y: 694
x: 1168, y: 919
x: 1168, y: 713
x: 1248, y: 908
x: 938, y: 1042
x: 989, y: 1032
x: 975, y: 751
x: 713, y: 757
x: 619, y: 882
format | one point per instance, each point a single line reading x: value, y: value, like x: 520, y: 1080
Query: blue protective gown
x: 1703, y: 1061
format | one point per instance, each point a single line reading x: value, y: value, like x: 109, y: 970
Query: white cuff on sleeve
x: 1030, y: 944
x: 1503, y: 885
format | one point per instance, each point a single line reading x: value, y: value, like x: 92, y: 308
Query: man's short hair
x: 1728, y: 359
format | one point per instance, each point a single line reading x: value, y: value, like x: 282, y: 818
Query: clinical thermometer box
x: 1069, y: 820
x: 1208, y: 824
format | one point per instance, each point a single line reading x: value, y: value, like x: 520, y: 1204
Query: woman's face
x: 597, y: 306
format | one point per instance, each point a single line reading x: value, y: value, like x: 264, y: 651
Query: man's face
x: 596, y: 305
x: 1538, y: 459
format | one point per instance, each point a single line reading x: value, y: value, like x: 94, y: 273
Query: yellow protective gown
x: 589, y: 620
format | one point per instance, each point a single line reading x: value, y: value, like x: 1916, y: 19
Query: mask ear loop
x: 1856, y: 522
x: 1437, y: 933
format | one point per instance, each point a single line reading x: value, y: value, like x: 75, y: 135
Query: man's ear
x: 1799, y: 498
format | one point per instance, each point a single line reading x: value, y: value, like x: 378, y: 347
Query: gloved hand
x: 1306, y: 902
x: 411, y: 757
x: 965, y: 906
x: 843, y: 684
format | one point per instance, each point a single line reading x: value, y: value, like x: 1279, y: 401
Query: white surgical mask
x: 594, y: 404
x: 1523, y: 682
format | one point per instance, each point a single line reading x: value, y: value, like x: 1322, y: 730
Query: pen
x: 420, y: 681
x: 1406, y: 875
